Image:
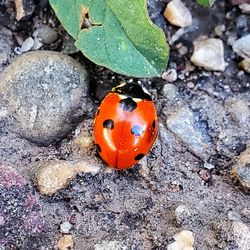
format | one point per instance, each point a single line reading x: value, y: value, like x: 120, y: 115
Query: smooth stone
x: 170, y: 75
x: 178, y: 14
x: 242, y: 46
x: 47, y: 93
x: 46, y: 34
x: 209, y: 54
x: 53, y: 176
x: 182, y: 124
x: 66, y: 242
x: 245, y: 8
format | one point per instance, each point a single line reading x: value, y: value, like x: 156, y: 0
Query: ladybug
x: 125, y: 126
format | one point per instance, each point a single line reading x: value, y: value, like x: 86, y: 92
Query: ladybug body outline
x: 125, y: 126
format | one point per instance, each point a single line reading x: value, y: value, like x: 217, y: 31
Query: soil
x: 137, y: 208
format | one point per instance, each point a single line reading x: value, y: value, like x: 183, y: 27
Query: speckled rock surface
x: 20, y: 214
x: 47, y: 93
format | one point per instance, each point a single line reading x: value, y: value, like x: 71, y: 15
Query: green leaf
x: 206, y: 3
x: 119, y: 34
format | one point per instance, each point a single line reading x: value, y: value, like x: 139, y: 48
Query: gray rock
x: 242, y: 46
x: 184, y: 125
x: 46, y: 34
x: 170, y: 75
x: 47, y: 93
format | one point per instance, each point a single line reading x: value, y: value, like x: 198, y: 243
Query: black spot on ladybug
x: 136, y: 130
x: 139, y: 156
x: 153, y: 124
x: 109, y: 124
x: 133, y: 90
x: 98, y: 112
x: 128, y: 104
x: 98, y: 148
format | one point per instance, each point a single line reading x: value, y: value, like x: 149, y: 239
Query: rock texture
x: 178, y: 14
x: 47, y: 93
x: 209, y: 54
x: 20, y: 212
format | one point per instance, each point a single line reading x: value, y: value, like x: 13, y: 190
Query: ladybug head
x: 133, y: 90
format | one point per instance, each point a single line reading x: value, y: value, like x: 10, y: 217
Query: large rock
x: 20, y: 213
x: 47, y: 93
x: 209, y: 54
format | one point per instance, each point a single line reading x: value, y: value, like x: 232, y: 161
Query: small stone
x: 183, y: 215
x: 65, y: 227
x: 46, y: 34
x: 27, y: 45
x: 209, y: 54
x: 184, y: 240
x: 190, y: 85
x: 208, y: 166
x: 219, y: 29
x: 55, y: 175
x: 170, y: 75
x: 178, y: 14
x: 242, y: 46
x: 245, y: 64
x: 245, y: 8
x: 66, y: 243
x: 24, y: 8
x: 183, y: 50
x: 47, y: 93
x: 205, y: 175
x: 110, y: 245
x: 182, y: 124
x: 241, y: 170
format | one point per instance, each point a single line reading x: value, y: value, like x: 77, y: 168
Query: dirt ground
x: 181, y: 184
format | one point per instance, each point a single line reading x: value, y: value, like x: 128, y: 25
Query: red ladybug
x: 125, y: 126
